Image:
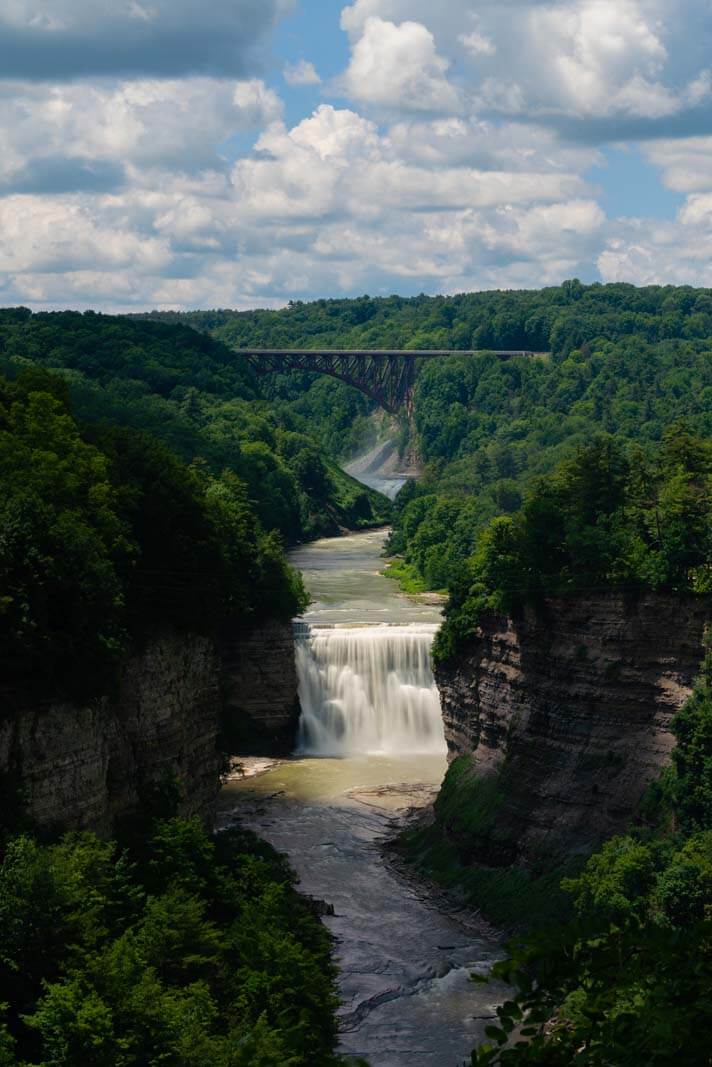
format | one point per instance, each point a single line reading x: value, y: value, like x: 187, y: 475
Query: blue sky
x: 168, y: 153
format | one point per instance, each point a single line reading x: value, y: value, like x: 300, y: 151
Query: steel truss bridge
x: 387, y: 377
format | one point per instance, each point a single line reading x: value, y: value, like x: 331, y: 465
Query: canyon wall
x: 261, y: 706
x: 565, y: 713
x: 89, y: 765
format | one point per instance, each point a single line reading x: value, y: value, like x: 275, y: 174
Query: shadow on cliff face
x: 560, y: 718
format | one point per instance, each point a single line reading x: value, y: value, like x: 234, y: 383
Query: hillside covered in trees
x: 619, y: 360
x: 106, y: 534
x: 557, y: 319
x: 202, y: 402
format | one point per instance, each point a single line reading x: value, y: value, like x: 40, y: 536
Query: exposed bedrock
x: 568, y: 709
x: 89, y: 765
x: 261, y: 705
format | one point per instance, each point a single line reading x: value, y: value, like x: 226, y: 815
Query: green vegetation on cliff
x: 613, y: 516
x: 488, y: 431
x: 184, y: 949
x: 145, y: 483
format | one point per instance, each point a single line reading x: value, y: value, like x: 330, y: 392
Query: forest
x: 201, y: 401
x: 169, y: 946
x: 615, y: 359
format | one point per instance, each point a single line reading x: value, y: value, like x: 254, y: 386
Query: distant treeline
x: 557, y: 319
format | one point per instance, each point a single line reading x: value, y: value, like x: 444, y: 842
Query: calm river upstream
x: 372, y: 748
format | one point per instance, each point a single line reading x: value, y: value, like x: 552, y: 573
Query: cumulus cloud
x: 333, y: 204
x: 603, y: 69
x: 398, y: 67
x: 654, y: 252
x: 685, y: 163
x: 168, y: 38
x: 77, y: 137
x: 301, y: 73
x: 477, y: 43
x: 457, y: 162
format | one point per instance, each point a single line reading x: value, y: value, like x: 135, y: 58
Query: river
x: 372, y: 750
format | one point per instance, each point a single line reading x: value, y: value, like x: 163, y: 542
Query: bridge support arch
x: 386, y: 376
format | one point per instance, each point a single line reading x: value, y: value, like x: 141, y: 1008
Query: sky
x: 244, y: 153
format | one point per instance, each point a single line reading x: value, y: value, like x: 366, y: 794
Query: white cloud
x: 123, y: 190
x: 167, y: 122
x: 686, y: 162
x: 603, y: 65
x: 661, y: 252
x: 301, y: 73
x: 398, y: 67
x: 331, y: 205
x: 477, y: 43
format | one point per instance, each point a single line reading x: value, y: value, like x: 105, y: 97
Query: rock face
x: 87, y: 766
x: 569, y: 708
x: 261, y: 706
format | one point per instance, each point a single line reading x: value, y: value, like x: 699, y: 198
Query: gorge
x: 567, y: 515
x: 372, y: 748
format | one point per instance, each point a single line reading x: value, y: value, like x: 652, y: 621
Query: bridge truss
x: 387, y: 377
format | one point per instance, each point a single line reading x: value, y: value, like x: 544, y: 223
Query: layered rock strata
x: 260, y: 702
x: 569, y: 708
x: 90, y: 765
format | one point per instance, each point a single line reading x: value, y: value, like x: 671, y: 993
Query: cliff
x: 565, y: 713
x: 89, y: 765
x: 260, y: 702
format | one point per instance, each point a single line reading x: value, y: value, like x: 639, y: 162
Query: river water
x: 372, y: 750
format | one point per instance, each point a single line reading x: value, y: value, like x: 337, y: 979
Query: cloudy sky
x: 241, y: 153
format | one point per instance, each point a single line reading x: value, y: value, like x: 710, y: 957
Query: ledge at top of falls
x: 345, y: 580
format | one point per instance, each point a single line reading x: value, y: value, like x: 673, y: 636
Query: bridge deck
x: 428, y: 353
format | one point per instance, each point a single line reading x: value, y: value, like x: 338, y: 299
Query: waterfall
x: 368, y: 689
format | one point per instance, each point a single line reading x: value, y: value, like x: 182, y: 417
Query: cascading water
x: 367, y: 690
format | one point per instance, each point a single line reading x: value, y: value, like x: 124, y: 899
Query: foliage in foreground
x: 628, y: 981
x: 186, y: 951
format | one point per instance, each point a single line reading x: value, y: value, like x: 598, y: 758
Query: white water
x: 368, y: 690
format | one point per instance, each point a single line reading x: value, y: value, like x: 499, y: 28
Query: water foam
x: 367, y: 690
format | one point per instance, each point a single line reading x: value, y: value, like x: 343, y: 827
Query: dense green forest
x: 489, y: 430
x: 146, y: 482
x: 147, y: 475
x: 105, y: 535
x: 172, y: 947
x: 618, y: 359
x: 556, y: 320
x: 201, y: 400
